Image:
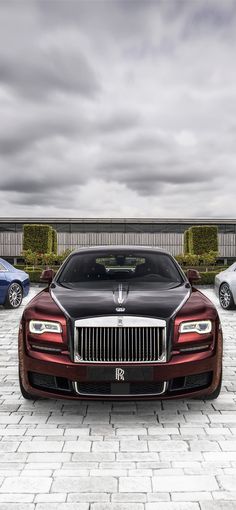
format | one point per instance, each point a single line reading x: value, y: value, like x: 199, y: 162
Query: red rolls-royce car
x: 120, y: 322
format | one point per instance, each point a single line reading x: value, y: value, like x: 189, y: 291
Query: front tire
x: 14, y: 296
x: 225, y: 297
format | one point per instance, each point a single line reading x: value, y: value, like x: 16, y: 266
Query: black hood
x: 111, y: 298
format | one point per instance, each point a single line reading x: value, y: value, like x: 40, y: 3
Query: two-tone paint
x: 187, y: 354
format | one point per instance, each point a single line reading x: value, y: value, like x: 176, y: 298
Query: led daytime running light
x: 39, y: 327
x: 201, y: 327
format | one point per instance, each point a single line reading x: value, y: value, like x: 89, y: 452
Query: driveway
x: 178, y: 455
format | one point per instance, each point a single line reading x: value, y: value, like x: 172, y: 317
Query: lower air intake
x: 120, y: 389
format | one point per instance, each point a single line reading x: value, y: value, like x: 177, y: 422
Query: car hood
x: 144, y: 300
x: 22, y: 273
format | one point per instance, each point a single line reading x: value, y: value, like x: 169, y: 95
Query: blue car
x: 14, y: 285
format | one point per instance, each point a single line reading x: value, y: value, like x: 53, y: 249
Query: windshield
x: 135, y: 267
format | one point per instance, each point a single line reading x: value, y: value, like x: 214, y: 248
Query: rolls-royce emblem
x: 120, y: 295
x: 120, y: 309
x: 120, y: 374
x: 120, y: 322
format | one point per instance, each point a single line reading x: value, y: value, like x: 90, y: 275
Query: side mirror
x: 47, y: 276
x: 193, y: 276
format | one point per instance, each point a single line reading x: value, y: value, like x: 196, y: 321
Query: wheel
x: 14, y: 296
x: 24, y: 393
x: 216, y: 392
x: 225, y: 297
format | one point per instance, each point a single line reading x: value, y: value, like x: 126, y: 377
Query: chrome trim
x: 133, y: 395
x: 181, y: 304
x: 120, y: 322
x: 192, y: 349
x: 58, y: 303
x: 45, y: 349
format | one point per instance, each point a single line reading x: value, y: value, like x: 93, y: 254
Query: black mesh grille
x: 195, y: 381
x: 49, y: 382
x: 149, y: 388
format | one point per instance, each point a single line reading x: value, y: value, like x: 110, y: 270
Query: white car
x: 225, y: 287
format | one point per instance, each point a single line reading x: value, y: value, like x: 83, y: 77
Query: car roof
x: 122, y: 247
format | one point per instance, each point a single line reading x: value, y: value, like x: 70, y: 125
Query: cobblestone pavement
x: 178, y: 455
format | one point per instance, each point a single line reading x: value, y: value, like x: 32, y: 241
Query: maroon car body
x: 120, y: 335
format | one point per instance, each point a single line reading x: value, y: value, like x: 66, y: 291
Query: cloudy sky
x: 118, y: 108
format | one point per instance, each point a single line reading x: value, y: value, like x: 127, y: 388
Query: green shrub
x: 186, y: 241
x: 54, y: 241
x: 187, y: 259
x: 34, y: 275
x: 203, y: 239
x: 37, y: 238
x: 207, y: 278
x: 31, y: 258
x: 206, y: 259
x: 44, y: 259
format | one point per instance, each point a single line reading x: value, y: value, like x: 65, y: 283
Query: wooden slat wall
x: 227, y: 245
x: 11, y: 243
x: 171, y: 242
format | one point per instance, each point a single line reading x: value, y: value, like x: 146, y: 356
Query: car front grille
x: 123, y: 343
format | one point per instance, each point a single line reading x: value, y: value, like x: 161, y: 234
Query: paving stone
x: 172, y: 506
x: 123, y: 497
x: 63, y: 506
x: 85, y: 484
x: 16, y: 498
x: 77, y: 446
x: 91, y: 497
x: 25, y: 485
x: 170, y: 455
x: 181, y: 483
x: 134, y: 484
x: 40, y: 446
x: 133, y: 446
x: 217, y: 505
x: 117, y: 506
x: 17, y: 506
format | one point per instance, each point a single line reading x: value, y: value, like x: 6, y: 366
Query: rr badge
x: 120, y: 374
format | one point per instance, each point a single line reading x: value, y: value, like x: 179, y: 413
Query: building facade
x: 75, y: 232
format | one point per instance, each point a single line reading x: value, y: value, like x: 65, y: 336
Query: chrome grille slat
x: 120, y: 344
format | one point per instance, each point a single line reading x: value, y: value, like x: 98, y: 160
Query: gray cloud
x: 39, y: 73
x: 117, y: 107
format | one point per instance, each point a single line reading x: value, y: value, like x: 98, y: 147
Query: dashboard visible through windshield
x: 120, y: 266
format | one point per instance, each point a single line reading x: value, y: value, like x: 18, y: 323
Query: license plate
x: 120, y: 374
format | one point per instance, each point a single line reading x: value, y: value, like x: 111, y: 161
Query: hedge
x: 34, y: 276
x: 54, y: 241
x: 186, y: 242
x: 207, y: 278
x: 203, y: 239
x: 189, y: 260
x: 37, y: 238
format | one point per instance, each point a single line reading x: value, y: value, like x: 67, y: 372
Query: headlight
x: 40, y: 327
x: 201, y: 327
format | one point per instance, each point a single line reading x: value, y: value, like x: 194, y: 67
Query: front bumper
x: 58, y: 377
